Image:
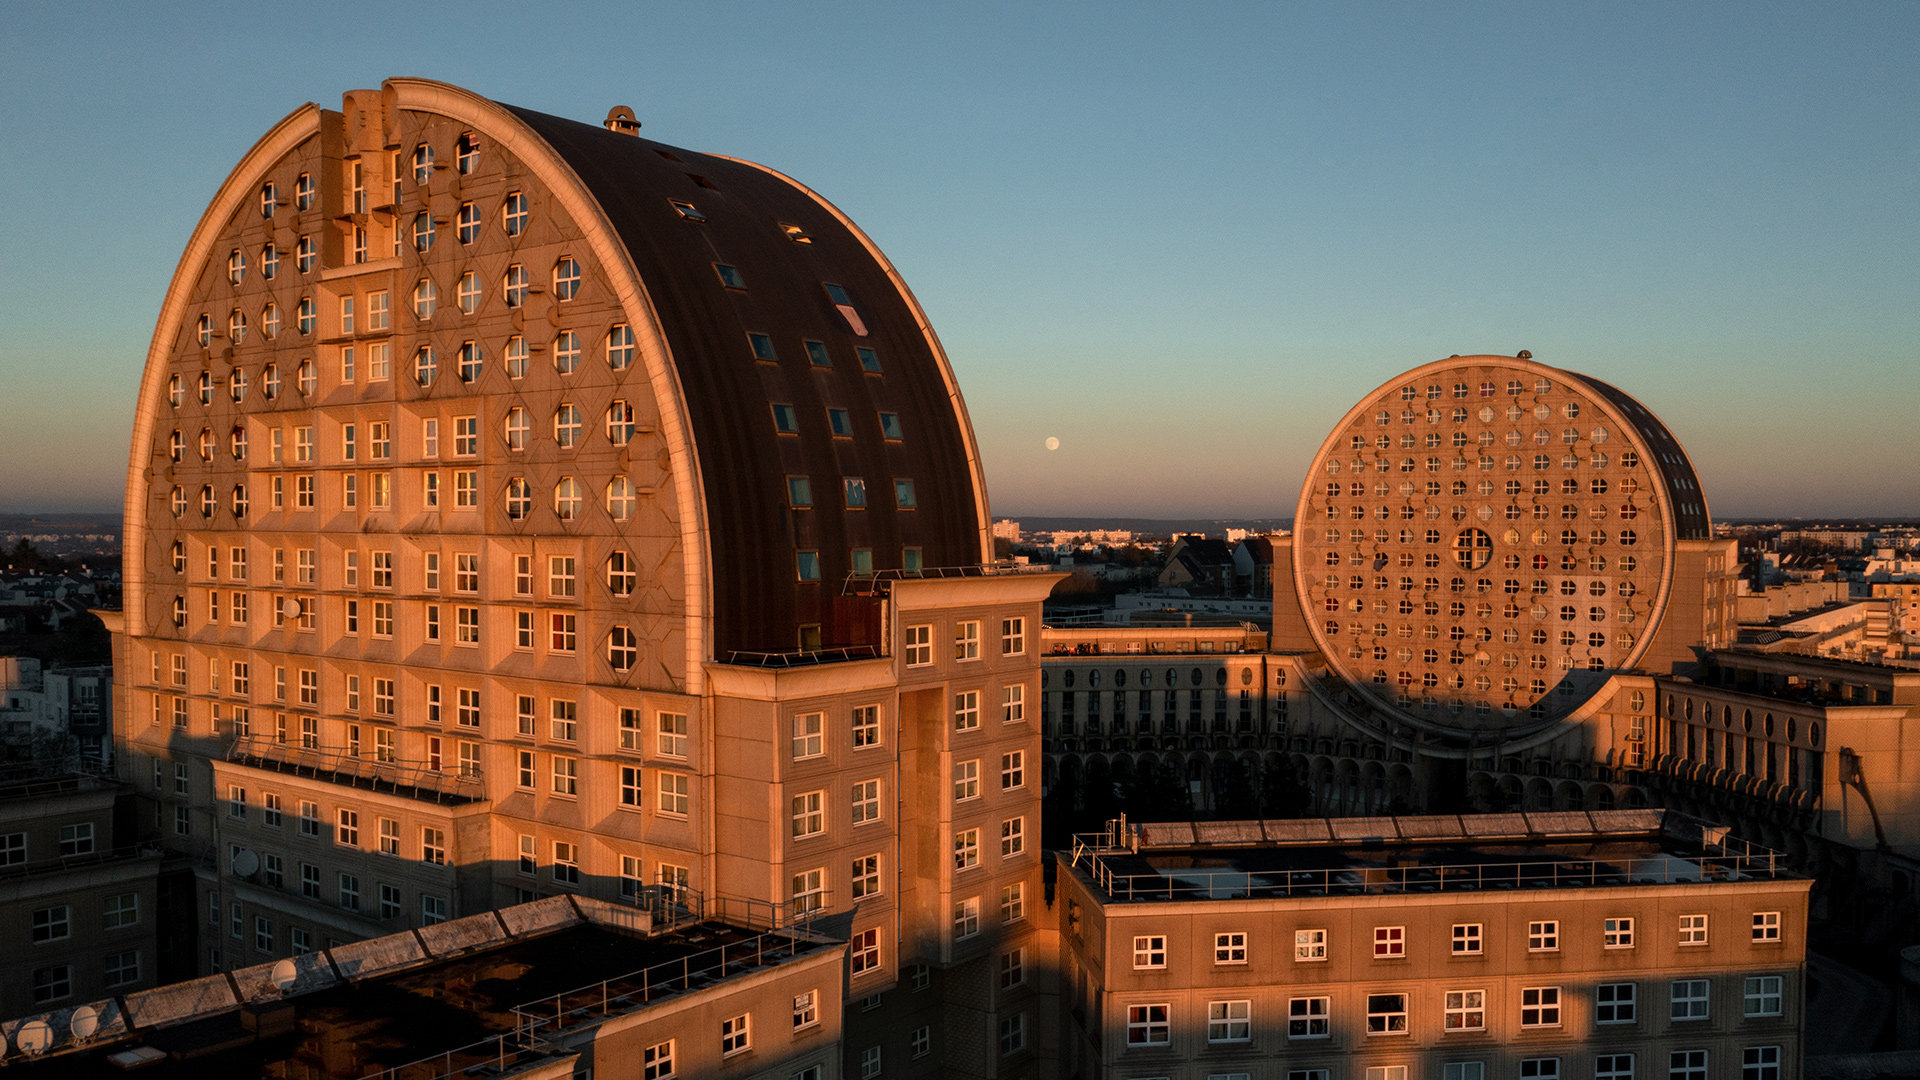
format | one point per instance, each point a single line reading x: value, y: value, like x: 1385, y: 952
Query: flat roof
x: 1239, y: 860
x: 481, y: 991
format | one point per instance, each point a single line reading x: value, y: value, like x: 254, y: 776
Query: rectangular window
x: 566, y: 863
x: 1386, y: 1014
x: 1618, y: 933
x: 809, y: 814
x: 865, y: 726
x: 1229, y: 1021
x: 77, y: 838
x: 1540, y: 1068
x: 1763, y: 995
x: 806, y: 1009
x: 1013, y: 770
x: 123, y: 909
x: 1230, y: 948
x: 629, y: 786
x: 966, y: 917
x: 1540, y: 1006
x: 563, y: 719
x: 1309, y: 1018
x: 966, y: 849
x: 52, y: 984
x: 966, y: 640
x: 1389, y: 942
x: 1149, y: 951
x: 966, y: 710
x: 1466, y: 939
x: 1013, y: 837
x: 1148, y: 1025
x: 1013, y: 636
x: 122, y: 968
x: 1613, y: 1067
x: 1766, y: 926
x: 433, y: 846
x: 1013, y: 703
x: 1543, y: 936
x: 1013, y: 902
x: 566, y: 776
x: 1615, y: 1003
x: 966, y: 780
x: 1309, y: 945
x: 864, y: 955
x: 1688, y: 999
x: 674, y: 799
x: 672, y: 741
x: 865, y: 798
x: 1693, y: 929
x: 919, y: 646
x: 1760, y: 1063
x: 52, y: 924
x: 864, y: 876
x: 656, y: 1061
x: 1687, y: 1065
x: 809, y: 735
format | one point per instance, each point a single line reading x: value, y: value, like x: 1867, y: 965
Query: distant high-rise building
x: 519, y: 507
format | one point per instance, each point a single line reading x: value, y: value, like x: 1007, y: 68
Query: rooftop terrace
x: 1234, y: 860
x: 490, y: 994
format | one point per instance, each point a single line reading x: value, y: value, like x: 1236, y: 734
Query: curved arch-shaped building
x: 563, y: 512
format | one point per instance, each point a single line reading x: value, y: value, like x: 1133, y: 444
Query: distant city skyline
x: 1181, y: 243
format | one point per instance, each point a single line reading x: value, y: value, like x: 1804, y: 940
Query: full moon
x: 1053, y: 443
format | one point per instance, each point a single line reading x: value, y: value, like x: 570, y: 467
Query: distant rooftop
x: 488, y: 994
x: 1235, y: 860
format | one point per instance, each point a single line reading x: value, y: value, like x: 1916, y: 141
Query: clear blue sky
x: 1181, y: 238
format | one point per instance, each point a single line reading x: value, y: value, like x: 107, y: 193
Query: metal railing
x: 804, y: 657
x: 1450, y: 877
x: 63, y: 863
x: 340, y: 767
x: 636, y: 989
x: 491, y: 1056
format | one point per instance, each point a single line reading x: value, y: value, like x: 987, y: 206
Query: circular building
x: 1482, y: 540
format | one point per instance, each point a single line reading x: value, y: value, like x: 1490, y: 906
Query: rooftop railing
x: 398, y: 776
x: 1661, y: 869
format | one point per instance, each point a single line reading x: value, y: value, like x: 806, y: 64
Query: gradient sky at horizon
x: 1182, y: 239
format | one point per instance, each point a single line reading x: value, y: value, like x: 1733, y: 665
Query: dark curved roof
x: 1689, y: 503
x: 753, y: 534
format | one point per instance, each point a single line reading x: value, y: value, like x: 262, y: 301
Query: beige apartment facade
x: 519, y: 507
x: 1558, y: 945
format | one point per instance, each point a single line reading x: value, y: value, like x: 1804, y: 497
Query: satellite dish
x: 85, y: 1021
x: 283, y: 974
x: 34, y: 1037
x: 245, y: 862
x: 290, y: 607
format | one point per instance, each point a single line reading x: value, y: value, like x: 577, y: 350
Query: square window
x: 1763, y: 995
x: 1540, y: 1068
x: 1760, y: 1063
x: 1229, y: 1021
x: 1386, y: 1014
x: 1149, y: 1025
x: 1309, y: 945
x: 786, y: 420
x: 809, y: 735
x: 1230, y: 948
x: 1613, y: 1067
x: 919, y: 646
x: 840, y: 422
x: 817, y: 354
x: 1687, y: 1065
x: 1543, y: 936
x: 1614, y: 1003
x: 1688, y: 999
x: 1766, y: 926
x: 1466, y: 939
x: 966, y: 640
x: 809, y: 814
x: 1389, y: 942
x: 865, y: 726
x: 1466, y: 1010
x: 1309, y: 1018
x: 761, y: 345
x: 1693, y: 929
x: 1149, y: 951
x: 1618, y: 933
x: 1540, y: 1006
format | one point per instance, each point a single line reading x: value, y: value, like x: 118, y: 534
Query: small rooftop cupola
x: 620, y: 119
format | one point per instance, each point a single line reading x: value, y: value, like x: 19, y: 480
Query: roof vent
x: 620, y: 119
